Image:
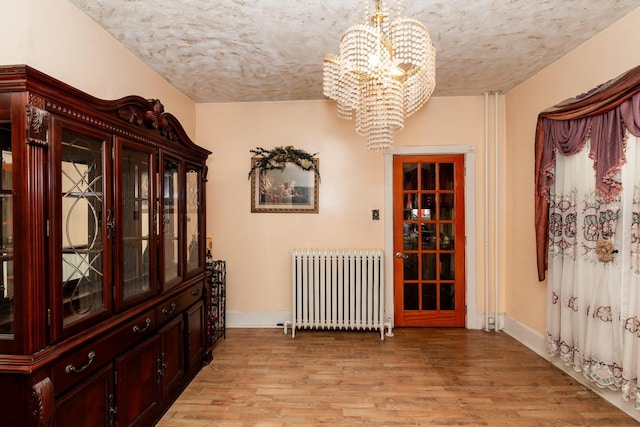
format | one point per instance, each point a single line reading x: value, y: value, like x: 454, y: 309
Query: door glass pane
x: 428, y: 236
x: 447, y: 267
x: 82, y: 201
x: 446, y: 207
x: 429, y: 296
x: 446, y: 176
x: 6, y: 212
x: 193, y: 220
x: 410, y: 176
x: 447, y: 296
x: 411, y: 267
x: 411, y: 296
x: 136, y: 222
x: 446, y: 236
x: 410, y: 235
x: 429, y: 266
x: 428, y: 206
x: 410, y: 206
x: 170, y: 226
x: 428, y: 176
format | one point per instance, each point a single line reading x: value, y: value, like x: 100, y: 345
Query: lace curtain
x: 587, y: 208
x: 593, y: 306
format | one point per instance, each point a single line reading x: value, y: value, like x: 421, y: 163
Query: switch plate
x: 375, y: 214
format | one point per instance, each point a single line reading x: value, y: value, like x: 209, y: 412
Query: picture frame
x: 291, y: 189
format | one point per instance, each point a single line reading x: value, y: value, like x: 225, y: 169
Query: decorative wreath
x: 278, y: 157
x: 605, y: 250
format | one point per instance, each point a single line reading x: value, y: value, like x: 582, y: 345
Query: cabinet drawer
x: 178, y: 303
x: 82, y: 362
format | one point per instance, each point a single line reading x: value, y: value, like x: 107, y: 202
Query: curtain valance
x: 604, y: 115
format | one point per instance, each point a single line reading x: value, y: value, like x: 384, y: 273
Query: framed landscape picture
x: 291, y: 189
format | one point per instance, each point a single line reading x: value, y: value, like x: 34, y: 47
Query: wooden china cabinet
x: 102, y: 267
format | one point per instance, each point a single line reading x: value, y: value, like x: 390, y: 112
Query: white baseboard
x: 535, y: 342
x: 478, y: 321
x: 257, y: 319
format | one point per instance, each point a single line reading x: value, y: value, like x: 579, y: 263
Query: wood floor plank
x: 419, y: 377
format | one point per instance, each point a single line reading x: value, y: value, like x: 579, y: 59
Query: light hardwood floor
x: 427, y: 377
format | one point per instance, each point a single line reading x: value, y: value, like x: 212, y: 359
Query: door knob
x: 401, y: 255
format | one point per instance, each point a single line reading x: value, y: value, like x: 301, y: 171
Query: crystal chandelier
x: 384, y: 73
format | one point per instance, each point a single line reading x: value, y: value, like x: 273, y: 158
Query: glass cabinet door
x: 81, y: 283
x: 192, y: 220
x: 6, y: 214
x: 135, y: 244
x: 170, y: 222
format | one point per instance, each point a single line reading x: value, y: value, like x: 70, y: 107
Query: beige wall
x: 607, y: 55
x: 257, y: 245
x: 54, y: 37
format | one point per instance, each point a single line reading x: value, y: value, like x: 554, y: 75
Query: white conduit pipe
x: 486, y: 211
x: 496, y: 215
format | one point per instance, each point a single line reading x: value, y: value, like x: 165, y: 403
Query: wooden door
x: 171, y: 252
x: 91, y: 404
x: 134, y: 230
x: 195, y: 336
x: 138, y: 378
x: 193, y: 221
x: 80, y: 233
x: 429, y: 242
x: 172, y: 355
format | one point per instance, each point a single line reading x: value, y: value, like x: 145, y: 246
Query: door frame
x: 473, y: 320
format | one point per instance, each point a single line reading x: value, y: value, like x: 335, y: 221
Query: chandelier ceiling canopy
x: 385, y: 72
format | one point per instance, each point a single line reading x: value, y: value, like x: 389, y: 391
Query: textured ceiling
x: 272, y: 50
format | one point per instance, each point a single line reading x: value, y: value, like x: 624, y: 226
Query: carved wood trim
x: 152, y: 116
x: 37, y: 125
x: 137, y: 111
x: 37, y: 142
x: 96, y: 122
x: 43, y: 403
x: 36, y: 100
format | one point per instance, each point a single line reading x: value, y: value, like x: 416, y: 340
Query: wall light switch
x: 375, y: 214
